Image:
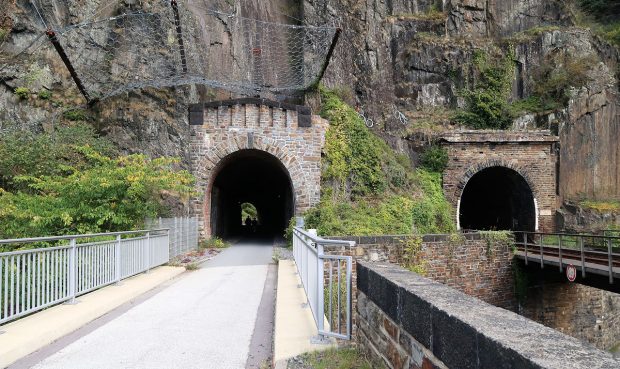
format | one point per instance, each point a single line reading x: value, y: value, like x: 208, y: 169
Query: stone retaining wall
x: 587, y: 313
x: 469, y: 263
x: 408, y: 321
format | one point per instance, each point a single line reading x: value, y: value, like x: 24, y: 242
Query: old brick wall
x: 532, y: 155
x: 587, y: 313
x: 470, y: 263
x: 285, y: 131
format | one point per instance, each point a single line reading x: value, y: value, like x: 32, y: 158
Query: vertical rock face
x: 150, y: 120
x: 408, y: 56
x: 417, y: 55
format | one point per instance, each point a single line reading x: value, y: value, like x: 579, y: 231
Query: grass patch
x: 602, y: 206
x: 602, y: 17
x: 76, y: 115
x: 191, y: 266
x: 45, y: 94
x: 340, y: 358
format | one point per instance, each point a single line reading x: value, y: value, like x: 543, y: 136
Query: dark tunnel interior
x: 497, y: 198
x: 258, y: 178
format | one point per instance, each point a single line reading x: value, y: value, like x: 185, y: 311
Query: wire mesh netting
x: 162, y: 44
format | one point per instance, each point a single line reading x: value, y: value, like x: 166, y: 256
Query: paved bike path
x: 205, y: 320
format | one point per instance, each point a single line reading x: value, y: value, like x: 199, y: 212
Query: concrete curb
x: 295, y: 327
x: 36, y: 331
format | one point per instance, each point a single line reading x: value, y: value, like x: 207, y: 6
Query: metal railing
x: 600, y: 254
x: 326, y: 280
x: 31, y: 280
x: 183, y: 233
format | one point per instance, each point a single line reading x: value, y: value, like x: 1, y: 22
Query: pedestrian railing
x: 326, y: 280
x: 599, y: 254
x: 31, y: 280
x: 183, y: 233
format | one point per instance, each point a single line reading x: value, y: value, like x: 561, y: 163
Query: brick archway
x: 209, y: 171
x: 532, y: 155
x: 287, y: 132
x: 495, y: 163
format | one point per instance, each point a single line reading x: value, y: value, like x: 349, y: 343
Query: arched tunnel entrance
x: 497, y: 198
x: 251, y: 177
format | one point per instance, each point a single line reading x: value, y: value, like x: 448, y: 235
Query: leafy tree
x: 28, y: 154
x: 94, y: 194
x: 487, y: 102
x: 248, y: 210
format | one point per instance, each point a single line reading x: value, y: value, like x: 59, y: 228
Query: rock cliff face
x: 153, y: 121
x: 408, y: 56
x: 415, y: 57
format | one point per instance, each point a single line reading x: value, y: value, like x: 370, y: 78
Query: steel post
x: 147, y: 253
x: 583, y: 258
x: 72, y: 271
x: 610, y: 259
x: 117, y: 259
x: 560, y: 253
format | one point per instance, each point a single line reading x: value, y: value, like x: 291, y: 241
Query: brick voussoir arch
x: 475, y: 169
x: 210, y: 164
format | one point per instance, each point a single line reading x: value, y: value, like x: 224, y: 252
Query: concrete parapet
x: 412, y: 322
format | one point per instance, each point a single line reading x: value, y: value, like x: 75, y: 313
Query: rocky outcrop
x: 572, y: 217
x: 412, y: 57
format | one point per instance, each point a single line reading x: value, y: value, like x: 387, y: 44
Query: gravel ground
x: 281, y: 252
x: 194, y: 257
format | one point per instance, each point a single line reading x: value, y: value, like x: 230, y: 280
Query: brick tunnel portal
x: 497, y: 198
x: 258, y: 178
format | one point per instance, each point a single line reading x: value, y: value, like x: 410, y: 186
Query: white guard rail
x: 183, y: 233
x: 327, y: 282
x: 31, y: 280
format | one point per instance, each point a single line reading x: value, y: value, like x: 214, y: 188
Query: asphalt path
x: 204, y: 320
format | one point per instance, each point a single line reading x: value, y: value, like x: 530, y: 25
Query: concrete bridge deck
x: 204, y: 320
x: 595, y: 262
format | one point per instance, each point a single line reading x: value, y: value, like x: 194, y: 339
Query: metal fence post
x: 583, y: 258
x: 560, y: 253
x: 320, y: 289
x: 540, y: 241
x: 147, y: 254
x: 611, y: 264
x: 168, y: 243
x: 72, y: 271
x: 117, y: 258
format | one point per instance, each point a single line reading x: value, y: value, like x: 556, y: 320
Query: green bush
x: 369, y: 189
x: 554, y: 79
x: 288, y: 233
x: 22, y: 92
x: 487, y: 101
x: 352, y: 153
x: 45, y: 94
x: 435, y: 159
x: 26, y: 154
x: 111, y: 195
x: 75, y: 115
x: 214, y: 243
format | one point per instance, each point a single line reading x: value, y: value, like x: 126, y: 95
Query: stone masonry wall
x: 471, y: 264
x: 410, y: 322
x: 587, y: 313
x: 532, y: 155
x: 223, y: 128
